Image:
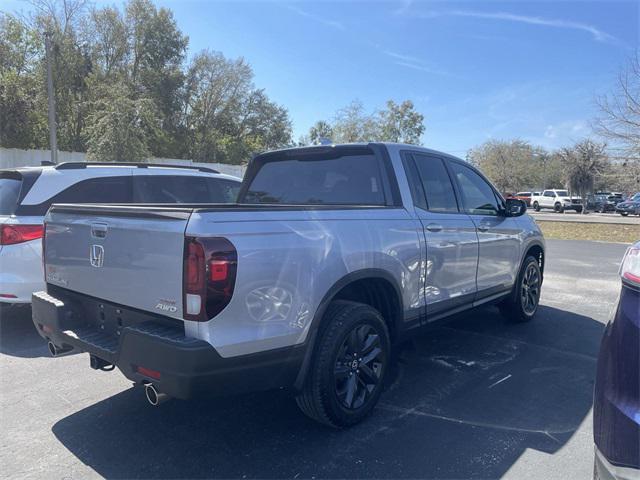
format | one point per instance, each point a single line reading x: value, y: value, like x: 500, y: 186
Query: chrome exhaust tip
x: 57, y: 351
x: 154, y: 397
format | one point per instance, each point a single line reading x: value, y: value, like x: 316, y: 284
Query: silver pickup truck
x: 331, y: 255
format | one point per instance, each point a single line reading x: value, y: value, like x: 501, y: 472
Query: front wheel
x: 558, y: 208
x: 624, y: 214
x: 522, y: 304
x: 348, y: 367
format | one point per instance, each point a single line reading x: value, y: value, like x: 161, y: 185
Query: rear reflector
x: 147, y: 372
x: 7, y: 295
x: 12, y: 234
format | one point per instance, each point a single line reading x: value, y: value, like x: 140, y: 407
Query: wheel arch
x: 371, y: 286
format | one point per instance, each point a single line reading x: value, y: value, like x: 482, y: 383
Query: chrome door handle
x: 434, y: 227
x: 483, y: 228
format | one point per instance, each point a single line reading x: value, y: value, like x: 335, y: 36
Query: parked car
x: 524, y: 196
x: 332, y: 254
x: 616, y: 405
x: 600, y: 203
x: 558, y: 200
x: 631, y: 206
x: 27, y: 193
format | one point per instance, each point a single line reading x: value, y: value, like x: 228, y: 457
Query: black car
x: 630, y: 206
x: 600, y: 203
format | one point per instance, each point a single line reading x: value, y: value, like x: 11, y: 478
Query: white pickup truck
x: 558, y: 200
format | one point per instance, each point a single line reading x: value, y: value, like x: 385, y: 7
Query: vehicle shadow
x: 18, y: 336
x: 464, y: 401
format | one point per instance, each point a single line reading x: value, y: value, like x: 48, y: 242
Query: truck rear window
x: 343, y: 180
x: 9, y: 193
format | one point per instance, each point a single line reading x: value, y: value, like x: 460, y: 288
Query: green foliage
x: 582, y: 164
x: 122, y: 90
x: 121, y: 127
x: 400, y: 123
x: 516, y: 165
x: 396, y: 123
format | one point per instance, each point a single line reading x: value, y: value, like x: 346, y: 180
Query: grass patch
x: 603, y: 232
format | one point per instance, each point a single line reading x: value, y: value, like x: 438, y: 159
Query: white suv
x: 27, y: 193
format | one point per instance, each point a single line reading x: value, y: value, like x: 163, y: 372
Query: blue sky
x: 476, y: 70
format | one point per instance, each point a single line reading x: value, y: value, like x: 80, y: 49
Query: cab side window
x: 478, y: 197
x: 431, y: 182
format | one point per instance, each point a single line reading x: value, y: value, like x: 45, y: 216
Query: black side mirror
x: 514, y: 207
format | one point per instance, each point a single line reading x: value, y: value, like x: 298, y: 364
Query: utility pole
x: 53, y: 142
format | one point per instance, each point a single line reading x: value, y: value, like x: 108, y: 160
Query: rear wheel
x: 536, y: 206
x: 558, y: 208
x: 624, y: 214
x: 522, y: 304
x: 347, y: 371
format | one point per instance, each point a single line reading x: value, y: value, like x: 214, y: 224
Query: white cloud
x: 325, y: 21
x: 414, y: 63
x: 595, y: 32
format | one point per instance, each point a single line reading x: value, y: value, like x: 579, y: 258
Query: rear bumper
x: 150, y: 349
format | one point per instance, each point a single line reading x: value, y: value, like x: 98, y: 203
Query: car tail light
x: 209, y: 277
x: 630, y: 268
x: 12, y: 234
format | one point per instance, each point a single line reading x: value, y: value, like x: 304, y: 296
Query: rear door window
x: 170, y: 189
x: 343, y: 180
x: 436, y: 184
x: 9, y: 194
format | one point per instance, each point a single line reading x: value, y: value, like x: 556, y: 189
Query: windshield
x: 9, y: 192
x: 345, y: 180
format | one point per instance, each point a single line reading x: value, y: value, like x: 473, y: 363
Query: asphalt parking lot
x: 479, y: 398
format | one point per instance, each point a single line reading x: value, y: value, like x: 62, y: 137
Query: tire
x: 336, y: 392
x: 624, y: 214
x: 536, y: 206
x: 579, y: 209
x: 558, y: 208
x: 515, y: 308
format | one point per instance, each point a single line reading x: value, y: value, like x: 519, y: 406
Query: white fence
x: 13, y: 157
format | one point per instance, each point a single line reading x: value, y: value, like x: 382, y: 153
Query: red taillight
x: 194, y: 268
x: 12, y: 234
x: 209, y: 277
x: 630, y: 267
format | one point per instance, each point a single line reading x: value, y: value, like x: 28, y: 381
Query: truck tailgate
x: 124, y: 254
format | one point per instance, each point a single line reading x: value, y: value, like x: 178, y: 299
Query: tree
x: 319, y: 131
x: 400, y: 123
x: 583, y: 163
x: 619, y: 122
x: 23, y: 121
x: 353, y: 124
x: 511, y: 165
x: 227, y: 118
x: 121, y: 126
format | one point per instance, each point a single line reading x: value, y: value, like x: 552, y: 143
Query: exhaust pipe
x: 57, y: 351
x: 154, y: 397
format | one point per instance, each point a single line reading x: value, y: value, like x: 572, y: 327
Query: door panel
x: 498, y: 236
x: 452, y: 258
x: 450, y: 236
